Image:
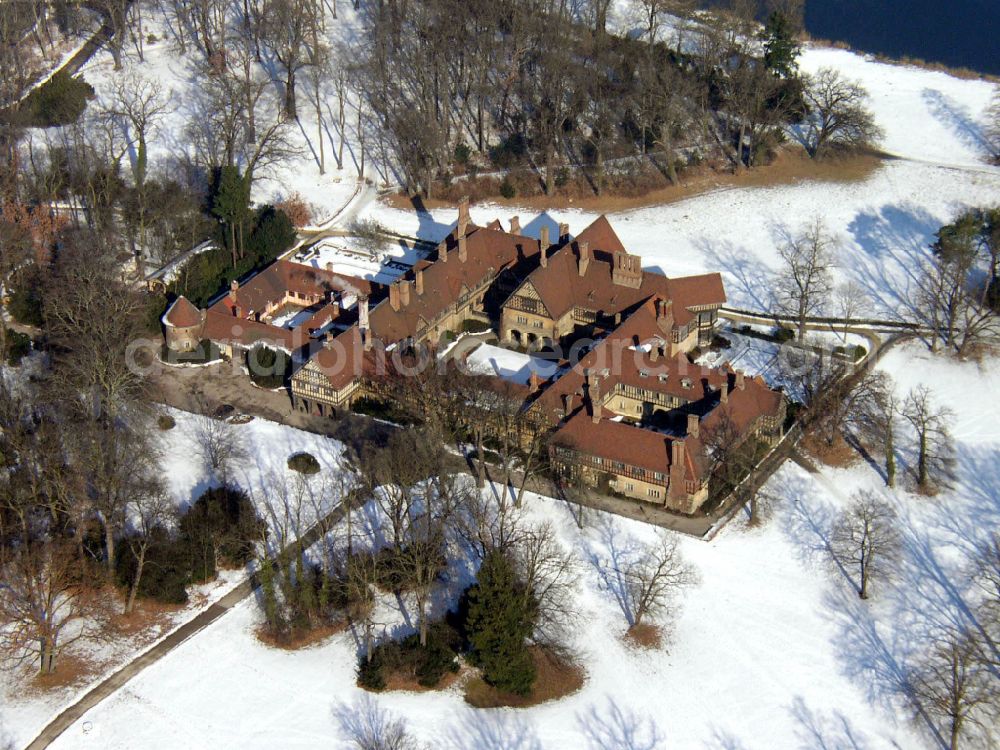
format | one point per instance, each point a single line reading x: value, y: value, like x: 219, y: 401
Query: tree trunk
x: 109, y: 546
x: 863, y: 591
x: 134, y: 588
x: 290, y: 94
x: 922, y: 460
x: 890, y: 458
x: 480, y: 461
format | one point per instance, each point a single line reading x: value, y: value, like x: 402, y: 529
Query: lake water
x: 960, y: 33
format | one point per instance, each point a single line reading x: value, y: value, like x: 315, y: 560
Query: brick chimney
x: 534, y: 382
x: 234, y: 286
x: 626, y: 270
x: 463, y: 216
x: 593, y: 391
x: 724, y: 393
x: 515, y: 224
x: 543, y: 237
x: 567, y: 404
x: 419, y: 281
x: 741, y: 382
x: 584, y: 261
x: 563, y: 232
x: 404, y: 292
x: 443, y: 251
x: 596, y: 416
x: 394, y: 295
x: 677, y: 450
x: 654, y: 352
x: 664, y: 314
x: 463, y: 251
x: 363, y: 321
x: 693, y: 425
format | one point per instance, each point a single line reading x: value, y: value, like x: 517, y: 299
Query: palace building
x: 628, y: 412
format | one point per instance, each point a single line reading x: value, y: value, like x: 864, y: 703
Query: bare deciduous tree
x: 954, y: 685
x: 371, y: 727
x: 218, y: 445
x: 549, y: 574
x: 148, y: 512
x: 837, y: 117
x: 865, y: 539
x: 934, y: 445
x: 881, y: 413
x: 804, y: 283
x: 39, y: 599
x: 654, y: 578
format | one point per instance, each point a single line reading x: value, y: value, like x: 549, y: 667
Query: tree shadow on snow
x: 748, y: 283
x: 957, y: 118
x: 895, y: 240
x: 819, y: 731
x: 622, y: 552
x: 493, y: 730
x: 618, y: 728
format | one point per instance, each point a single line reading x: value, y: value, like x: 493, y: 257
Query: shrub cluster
x: 304, y: 463
x: 427, y: 664
x: 219, y: 529
x: 59, y: 101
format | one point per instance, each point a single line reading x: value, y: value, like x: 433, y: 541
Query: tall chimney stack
x: 724, y: 393
x: 584, y: 262
x: 394, y: 295
x: 404, y: 292
x: 443, y: 251
x: 515, y: 224
x: 463, y: 216
x: 463, y: 251
x: 741, y: 382
x: 419, y: 281
x: 693, y: 425
x: 543, y: 237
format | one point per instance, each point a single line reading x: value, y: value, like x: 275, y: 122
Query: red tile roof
x: 182, y: 314
x: 487, y: 251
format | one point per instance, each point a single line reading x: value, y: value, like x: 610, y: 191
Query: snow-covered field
x: 771, y: 649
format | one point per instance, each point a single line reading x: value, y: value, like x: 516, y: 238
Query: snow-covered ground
x: 926, y: 115
x: 771, y: 649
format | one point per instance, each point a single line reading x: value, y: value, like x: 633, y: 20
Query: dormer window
x: 643, y: 373
x: 686, y: 383
x: 663, y: 377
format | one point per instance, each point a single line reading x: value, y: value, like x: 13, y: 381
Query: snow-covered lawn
x: 771, y: 649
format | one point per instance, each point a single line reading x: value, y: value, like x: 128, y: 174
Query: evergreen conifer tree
x: 501, y: 617
x: 781, y: 50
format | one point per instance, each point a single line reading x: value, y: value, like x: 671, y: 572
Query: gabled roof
x: 282, y: 276
x: 601, y: 236
x: 223, y: 326
x: 182, y: 314
x: 487, y: 250
x: 635, y: 446
x: 560, y: 287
